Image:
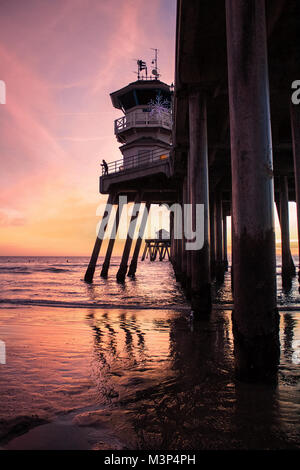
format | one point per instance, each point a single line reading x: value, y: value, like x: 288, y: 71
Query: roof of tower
x: 144, y: 85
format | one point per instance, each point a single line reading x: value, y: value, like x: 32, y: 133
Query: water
x: 124, y: 367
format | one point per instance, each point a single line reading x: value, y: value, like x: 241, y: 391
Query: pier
x: 230, y: 144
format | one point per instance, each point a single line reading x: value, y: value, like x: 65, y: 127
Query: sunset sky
x: 60, y: 59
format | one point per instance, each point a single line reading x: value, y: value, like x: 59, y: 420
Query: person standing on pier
x: 105, y: 167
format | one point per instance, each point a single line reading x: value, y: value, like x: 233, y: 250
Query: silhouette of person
x: 105, y: 167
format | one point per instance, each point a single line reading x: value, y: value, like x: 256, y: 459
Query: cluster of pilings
x: 222, y: 159
x: 123, y: 270
x: 255, y: 316
x: 156, y: 249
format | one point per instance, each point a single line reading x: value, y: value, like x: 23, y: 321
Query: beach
x: 111, y: 366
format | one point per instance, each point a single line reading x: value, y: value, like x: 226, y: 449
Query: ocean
x: 112, y: 366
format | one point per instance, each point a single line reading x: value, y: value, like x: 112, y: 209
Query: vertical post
x: 232, y: 253
x: 188, y: 200
x: 93, y: 261
x: 182, y: 241
x: 172, y: 246
x: 106, y: 263
x: 219, y: 236
x: 225, y: 258
x: 121, y: 274
x: 277, y: 203
x: 212, y: 237
x: 144, y: 252
x: 295, y: 124
x: 199, y: 194
x: 285, y: 231
x: 134, y: 260
x: 255, y: 315
x: 178, y: 251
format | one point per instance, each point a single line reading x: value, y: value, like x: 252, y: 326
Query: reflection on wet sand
x: 132, y: 375
x: 177, y: 389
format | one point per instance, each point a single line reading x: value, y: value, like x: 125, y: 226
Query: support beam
x: 232, y: 256
x: 172, y: 247
x: 225, y: 257
x: 255, y: 315
x: 277, y: 202
x: 93, y: 261
x: 212, y: 237
x: 178, y: 260
x: 199, y: 194
x: 121, y: 274
x: 285, y: 232
x: 295, y: 124
x: 219, y: 237
x: 182, y: 241
x: 287, y: 263
x: 106, y: 263
x: 135, y: 256
x: 188, y: 283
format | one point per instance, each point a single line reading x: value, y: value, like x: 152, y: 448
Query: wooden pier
x: 235, y: 150
x: 156, y: 249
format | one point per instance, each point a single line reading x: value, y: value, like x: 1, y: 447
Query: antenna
x: 141, y: 66
x: 154, y: 63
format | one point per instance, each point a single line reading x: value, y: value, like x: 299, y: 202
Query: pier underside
x: 235, y: 151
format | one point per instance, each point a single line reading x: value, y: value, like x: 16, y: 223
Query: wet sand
x: 138, y: 379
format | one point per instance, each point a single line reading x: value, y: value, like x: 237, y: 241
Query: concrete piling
x: 287, y: 263
x: 219, y: 237
x: 295, y: 124
x: 212, y: 237
x: 106, y: 263
x: 184, y: 280
x: 121, y: 274
x: 89, y: 275
x: 134, y: 260
x: 199, y: 194
x: 225, y: 257
x: 255, y: 315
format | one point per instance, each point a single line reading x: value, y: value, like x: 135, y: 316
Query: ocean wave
x: 54, y: 270
x: 31, y: 270
x: 129, y: 306
x: 66, y: 304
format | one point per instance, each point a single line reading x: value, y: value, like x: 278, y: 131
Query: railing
x: 136, y: 161
x: 143, y: 119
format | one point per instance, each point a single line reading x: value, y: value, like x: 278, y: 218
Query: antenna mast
x: 154, y: 63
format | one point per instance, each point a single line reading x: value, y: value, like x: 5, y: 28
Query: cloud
x: 60, y: 59
x: 11, y: 217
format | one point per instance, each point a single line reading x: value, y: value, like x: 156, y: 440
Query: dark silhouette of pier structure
x: 235, y: 148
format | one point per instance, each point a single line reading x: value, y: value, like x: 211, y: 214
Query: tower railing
x: 139, y: 118
x: 142, y: 160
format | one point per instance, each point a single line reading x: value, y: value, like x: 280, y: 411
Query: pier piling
x: 287, y: 262
x: 106, y: 263
x: 121, y: 274
x: 199, y: 193
x: 89, y: 275
x: 219, y: 237
x: 212, y: 237
x: 225, y: 258
x: 295, y: 124
x: 135, y: 256
x: 255, y: 315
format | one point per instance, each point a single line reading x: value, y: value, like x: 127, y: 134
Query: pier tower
x: 145, y: 128
x: 143, y: 173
